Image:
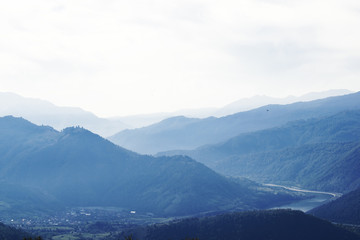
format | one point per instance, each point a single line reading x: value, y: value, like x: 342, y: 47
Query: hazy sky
x: 116, y: 57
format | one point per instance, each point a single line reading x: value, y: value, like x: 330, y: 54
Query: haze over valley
x: 182, y: 120
x: 63, y: 175
x: 43, y: 112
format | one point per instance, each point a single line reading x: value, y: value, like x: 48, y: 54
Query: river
x: 307, y: 204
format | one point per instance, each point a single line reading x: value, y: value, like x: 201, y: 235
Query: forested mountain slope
x: 77, y: 168
x: 318, y: 153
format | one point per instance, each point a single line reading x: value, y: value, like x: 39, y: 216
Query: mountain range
x: 317, y: 153
x: 314, y: 145
x: 188, y: 133
x: 240, y: 105
x: 76, y: 168
x: 246, y: 104
x: 45, y: 113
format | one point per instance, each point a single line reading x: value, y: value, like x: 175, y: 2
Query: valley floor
x: 107, y: 223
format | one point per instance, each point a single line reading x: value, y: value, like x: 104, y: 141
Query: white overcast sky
x: 115, y: 57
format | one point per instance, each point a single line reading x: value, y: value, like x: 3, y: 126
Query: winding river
x: 307, y: 204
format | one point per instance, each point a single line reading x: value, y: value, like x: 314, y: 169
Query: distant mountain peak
x: 245, y: 104
x: 10, y: 121
x: 81, y: 133
x: 13, y: 118
x: 74, y: 130
x: 42, y: 112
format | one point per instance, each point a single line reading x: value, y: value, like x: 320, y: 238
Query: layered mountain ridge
x: 181, y: 133
x: 317, y: 153
x: 45, y: 113
x: 77, y: 168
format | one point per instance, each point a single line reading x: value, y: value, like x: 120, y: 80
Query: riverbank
x: 319, y: 198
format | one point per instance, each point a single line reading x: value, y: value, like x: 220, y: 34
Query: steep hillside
x: 78, y: 169
x: 317, y: 153
x: 343, y: 210
x: 259, y: 225
x: 184, y: 133
x: 324, y: 166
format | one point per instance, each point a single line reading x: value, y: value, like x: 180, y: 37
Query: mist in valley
x: 179, y: 120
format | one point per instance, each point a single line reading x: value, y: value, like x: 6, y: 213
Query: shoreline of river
x: 307, y: 204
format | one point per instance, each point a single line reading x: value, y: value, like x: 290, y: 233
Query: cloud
x: 175, y: 54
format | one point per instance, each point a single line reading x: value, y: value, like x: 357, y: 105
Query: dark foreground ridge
x: 343, y: 210
x: 259, y: 225
x: 10, y: 233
